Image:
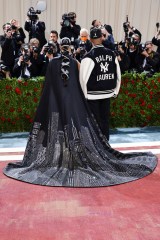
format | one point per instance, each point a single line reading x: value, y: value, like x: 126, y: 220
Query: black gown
x: 65, y: 145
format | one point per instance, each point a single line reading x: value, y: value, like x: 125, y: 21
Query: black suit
x: 8, y: 54
x: 71, y: 32
x: 36, y: 30
x: 19, y: 71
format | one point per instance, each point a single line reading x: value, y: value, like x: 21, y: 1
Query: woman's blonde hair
x: 33, y: 41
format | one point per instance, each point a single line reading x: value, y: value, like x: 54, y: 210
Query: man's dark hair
x: 93, y: 22
x: 55, y: 32
x: 108, y: 28
x: 71, y: 14
x: 5, y: 25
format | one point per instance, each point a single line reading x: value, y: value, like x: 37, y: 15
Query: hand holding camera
x: 3, y: 68
x: 32, y: 14
x: 158, y: 29
x: 49, y: 48
x: 24, y: 58
x: 9, y: 33
x: 4, y: 71
x: 68, y: 19
x: 20, y: 59
x: 126, y: 26
x: 14, y: 24
x: 25, y: 55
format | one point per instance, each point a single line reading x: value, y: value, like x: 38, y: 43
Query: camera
x: 126, y: 25
x: 116, y: 48
x: 3, y: 68
x: 66, y: 20
x: 3, y: 71
x: 26, y: 56
x: 9, y: 29
x: 35, y: 49
x: 50, y: 48
x: 132, y: 41
x: 17, y: 37
x: 82, y: 47
x: 13, y: 27
x: 157, y: 25
x: 32, y: 14
x: 142, y: 47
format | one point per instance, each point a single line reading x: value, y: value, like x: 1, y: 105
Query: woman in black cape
x: 65, y: 145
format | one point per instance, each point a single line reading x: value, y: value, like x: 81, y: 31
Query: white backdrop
x: 143, y: 14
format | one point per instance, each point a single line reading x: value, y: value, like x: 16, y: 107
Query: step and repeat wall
x: 142, y: 14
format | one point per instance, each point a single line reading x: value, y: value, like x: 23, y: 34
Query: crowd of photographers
x: 26, y: 60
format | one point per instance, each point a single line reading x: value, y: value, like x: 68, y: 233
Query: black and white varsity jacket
x: 100, y: 75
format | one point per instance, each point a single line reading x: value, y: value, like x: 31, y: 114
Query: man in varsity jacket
x: 100, y: 79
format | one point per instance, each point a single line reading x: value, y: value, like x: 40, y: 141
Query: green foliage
x: 18, y: 103
x: 137, y: 105
x: 138, y: 102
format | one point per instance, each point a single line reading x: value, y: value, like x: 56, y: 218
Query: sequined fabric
x: 66, y: 147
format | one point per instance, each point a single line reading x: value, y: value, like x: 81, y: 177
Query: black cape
x: 65, y: 145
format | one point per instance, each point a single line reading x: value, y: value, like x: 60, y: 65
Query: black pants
x: 101, y: 111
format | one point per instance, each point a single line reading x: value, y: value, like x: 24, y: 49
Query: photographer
x: 156, y: 38
x: 49, y: 51
x: 17, y: 39
x: 106, y: 40
x: 54, y: 37
x: 82, y: 45
x: 35, y: 27
x: 69, y: 27
x: 109, y: 33
x: 23, y: 68
x: 131, y: 48
x: 9, y: 47
x: 96, y: 23
x: 151, y: 59
x: 123, y: 58
x: 18, y: 32
x: 4, y: 71
x: 130, y: 30
x: 132, y: 51
x: 35, y: 57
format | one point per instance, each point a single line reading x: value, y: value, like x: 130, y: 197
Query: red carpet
x: 129, y: 211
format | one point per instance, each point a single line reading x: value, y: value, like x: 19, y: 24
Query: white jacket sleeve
x: 118, y: 77
x: 86, y: 67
